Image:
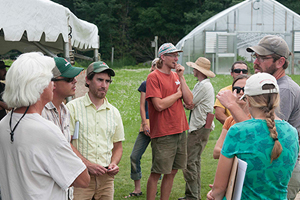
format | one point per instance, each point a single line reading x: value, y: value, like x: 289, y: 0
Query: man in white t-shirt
x: 37, y: 162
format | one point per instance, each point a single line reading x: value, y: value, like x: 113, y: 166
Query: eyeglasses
x: 260, y: 59
x: 244, y: 71
x: 69, y: 80
x: 172, y: 55
x: 238, y: 89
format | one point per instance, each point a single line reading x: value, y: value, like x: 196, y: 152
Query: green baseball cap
x: 98, y: 67
x: 64, y: 68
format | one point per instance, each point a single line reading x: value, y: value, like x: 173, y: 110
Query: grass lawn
x: 123, y: 94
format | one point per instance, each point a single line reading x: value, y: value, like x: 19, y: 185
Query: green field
x: 124, y: 95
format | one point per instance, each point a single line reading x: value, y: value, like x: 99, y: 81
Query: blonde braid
x: 268, y: 103
x: 270, y: 117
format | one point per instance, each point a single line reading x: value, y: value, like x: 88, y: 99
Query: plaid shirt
x: 50, y: 112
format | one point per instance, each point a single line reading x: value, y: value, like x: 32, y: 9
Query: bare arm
x: 219, y: 144
x: 220, y: 114
x: 186, y: 92
x: 146, y: 128
x: 162, y: 104
x: 228, y: 99
x: 117, y: 152
x: 82, y: 180
x: 93, y: 168
x: 221, y: 178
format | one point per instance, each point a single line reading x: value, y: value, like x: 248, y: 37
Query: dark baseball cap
x: 98, y: 67
x: 65, y: 69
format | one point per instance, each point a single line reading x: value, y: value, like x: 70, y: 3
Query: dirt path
x: 80, y: 85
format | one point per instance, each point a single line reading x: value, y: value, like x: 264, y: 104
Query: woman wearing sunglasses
x: 268, y: 144
x: 238, y: 90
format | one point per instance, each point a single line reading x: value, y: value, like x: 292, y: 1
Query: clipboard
x: 236, y: 179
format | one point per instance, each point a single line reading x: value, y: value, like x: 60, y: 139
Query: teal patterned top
x: 251, y: 141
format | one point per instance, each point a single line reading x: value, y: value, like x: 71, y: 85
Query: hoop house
x: 226, y: 35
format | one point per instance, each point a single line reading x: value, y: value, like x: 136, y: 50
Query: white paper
x: 76, y: 131
x: 240, y: 176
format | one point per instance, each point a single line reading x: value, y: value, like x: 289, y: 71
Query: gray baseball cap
x: 271, y: 44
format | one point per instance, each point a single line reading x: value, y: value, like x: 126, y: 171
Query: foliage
x: 130, y: 25
x: 249, y: 64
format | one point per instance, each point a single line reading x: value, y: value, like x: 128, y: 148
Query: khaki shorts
x: 168, y: 152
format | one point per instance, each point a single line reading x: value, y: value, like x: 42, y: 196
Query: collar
x: 50, y: 106
x: 88, y: 102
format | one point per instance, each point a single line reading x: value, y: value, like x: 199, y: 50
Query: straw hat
x: 203, y: 65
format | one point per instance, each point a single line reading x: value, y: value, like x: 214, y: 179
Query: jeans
x: 196, y: 143
x: 141, y: 143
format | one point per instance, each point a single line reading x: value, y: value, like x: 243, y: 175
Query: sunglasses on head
x: 244, y: 71
x: 238, y: 89
x: 69, y: 80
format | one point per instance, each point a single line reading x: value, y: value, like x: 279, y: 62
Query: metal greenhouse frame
x: 226, y: 35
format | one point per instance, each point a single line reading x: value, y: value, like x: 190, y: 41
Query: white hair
x: 27, y: 78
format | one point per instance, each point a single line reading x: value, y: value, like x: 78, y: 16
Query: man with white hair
x: 33, y: 148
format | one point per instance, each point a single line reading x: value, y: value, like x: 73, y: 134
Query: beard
x: 270, y: 70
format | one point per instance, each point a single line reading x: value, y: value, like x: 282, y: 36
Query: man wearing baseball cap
x: 101, y: 133
x: 200, y: 117
x: 3, y: 106
x: 165, y: 90
x: 271, y: 56
x: 64, y: 86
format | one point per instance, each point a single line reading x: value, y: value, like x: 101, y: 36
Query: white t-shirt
x: 39, y: 164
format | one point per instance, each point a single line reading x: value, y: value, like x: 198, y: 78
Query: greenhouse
x: 225, y: 36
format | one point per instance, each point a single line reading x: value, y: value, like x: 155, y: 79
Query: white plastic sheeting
x: 23, y: 22
x: 250, y: 20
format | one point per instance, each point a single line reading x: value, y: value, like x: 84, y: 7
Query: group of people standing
x: 48, y: 147
x: 41, y: 157
x: 260, y: 114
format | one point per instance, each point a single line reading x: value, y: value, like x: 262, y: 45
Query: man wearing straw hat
x: 201, y: 124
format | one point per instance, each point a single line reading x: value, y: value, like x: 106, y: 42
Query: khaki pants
x: 100, y: 187
x: 196, y: 143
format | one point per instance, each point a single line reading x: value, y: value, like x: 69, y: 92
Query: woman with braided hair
x: 268, y: 144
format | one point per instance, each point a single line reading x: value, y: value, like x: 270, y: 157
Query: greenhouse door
x: 225, y: 52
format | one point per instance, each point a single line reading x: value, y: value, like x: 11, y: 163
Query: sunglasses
x: 238, y: 89
x: 69, y: 80
x: 244, y: 71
